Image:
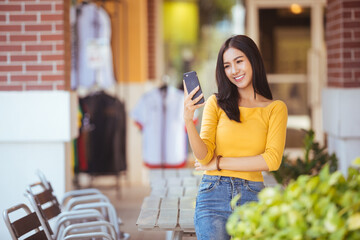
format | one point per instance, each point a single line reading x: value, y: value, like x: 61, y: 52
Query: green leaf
x: 339, y: 234
x: 353, y: 222
x: 352, y: 172
x: 324, y: 173
x: 335, y: 177
x: 346, y: 199
x: 269, y: 196
x: 356, y: 162
x: 312, y: 184
x: 332, y: 221
x: 234, y: 201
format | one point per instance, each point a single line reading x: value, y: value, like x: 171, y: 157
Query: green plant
x: 315, y: 157
x: 356, y: 162
x: 321, y: 207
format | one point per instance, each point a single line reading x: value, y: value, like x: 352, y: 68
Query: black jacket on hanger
x: 106, y: 146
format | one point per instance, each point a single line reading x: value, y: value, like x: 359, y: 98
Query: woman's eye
x: 226, y: 66
x: 239, y: 61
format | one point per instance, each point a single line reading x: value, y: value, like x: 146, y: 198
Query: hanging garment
x: 92, y: 48
x: 160, y: 118
x: 74, y: 46
x: 106, y: 135
x: 75, y: 146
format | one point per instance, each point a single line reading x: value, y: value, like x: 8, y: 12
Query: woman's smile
x: 239, y: 78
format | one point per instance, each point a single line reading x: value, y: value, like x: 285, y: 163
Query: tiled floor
x: 128, y: 206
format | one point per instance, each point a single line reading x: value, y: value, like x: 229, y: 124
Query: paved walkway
x: 128, y: 206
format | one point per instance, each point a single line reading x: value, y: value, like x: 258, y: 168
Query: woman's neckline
x: 259, y: 106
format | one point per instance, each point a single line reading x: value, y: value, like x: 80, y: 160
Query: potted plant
x: 315, y: 157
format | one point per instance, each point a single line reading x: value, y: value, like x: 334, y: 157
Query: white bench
x: 171, y: 204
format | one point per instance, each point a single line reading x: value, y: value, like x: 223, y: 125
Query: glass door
x: 284, y: 43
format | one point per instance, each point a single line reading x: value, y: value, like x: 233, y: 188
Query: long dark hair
x: 228, y: 95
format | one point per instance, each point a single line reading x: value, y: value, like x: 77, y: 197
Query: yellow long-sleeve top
x: 262, y: 131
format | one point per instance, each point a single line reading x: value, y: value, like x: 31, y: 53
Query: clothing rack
x: 119, y: 91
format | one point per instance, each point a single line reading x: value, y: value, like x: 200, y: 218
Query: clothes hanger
x: 164, y: 83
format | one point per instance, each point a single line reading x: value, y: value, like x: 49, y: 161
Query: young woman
x: 242, y: 133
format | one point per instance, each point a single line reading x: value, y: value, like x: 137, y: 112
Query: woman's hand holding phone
x: 193, y: 99
x: 190, y: 104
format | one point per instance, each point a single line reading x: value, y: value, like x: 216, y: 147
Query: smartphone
x: 191, y: 82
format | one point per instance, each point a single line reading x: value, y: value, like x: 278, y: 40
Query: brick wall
x: 343, y: 43
x: 33, y: 44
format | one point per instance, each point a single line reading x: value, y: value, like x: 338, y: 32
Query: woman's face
x: 237, y: 68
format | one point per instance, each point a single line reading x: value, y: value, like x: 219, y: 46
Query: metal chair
x: 71, y: 194
x: 47, y: 208
x: 27, y: 225
x: 87, y: 199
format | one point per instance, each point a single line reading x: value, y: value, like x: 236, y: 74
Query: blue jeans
x: 213, y: 204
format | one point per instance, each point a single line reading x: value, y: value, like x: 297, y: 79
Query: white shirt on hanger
x: 164, y: 137
x: 94, y: 59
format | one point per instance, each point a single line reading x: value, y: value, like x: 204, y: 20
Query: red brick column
x: 32, y: 45
x: 343, y: 43
x: 340, y: 98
